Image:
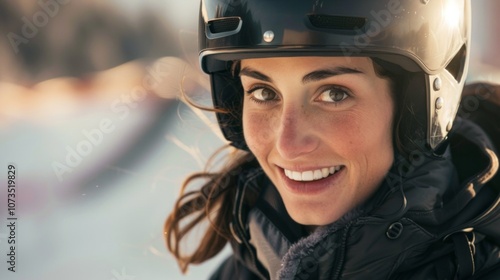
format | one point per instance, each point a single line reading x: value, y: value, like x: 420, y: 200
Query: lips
x: 311, y: 175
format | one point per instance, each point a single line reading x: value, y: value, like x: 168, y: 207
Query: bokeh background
x: 91, y: 116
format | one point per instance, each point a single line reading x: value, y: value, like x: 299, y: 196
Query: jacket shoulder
x: 481, y: 104
x: 231, y: 268
x: 491, y: 274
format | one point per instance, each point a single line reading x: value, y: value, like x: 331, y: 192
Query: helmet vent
x: 337, y: 22
x: 457, y: 64
x: 224, y: 25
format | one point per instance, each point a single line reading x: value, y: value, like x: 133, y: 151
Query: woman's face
x: 321, y: 128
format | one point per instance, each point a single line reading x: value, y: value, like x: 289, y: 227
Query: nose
x: 295, y: 133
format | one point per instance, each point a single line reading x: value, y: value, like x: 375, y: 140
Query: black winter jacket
x: 441, y: 220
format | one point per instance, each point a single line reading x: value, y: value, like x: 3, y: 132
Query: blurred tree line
x: 52, y: 38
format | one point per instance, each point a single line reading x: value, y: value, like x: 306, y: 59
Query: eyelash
x: 347, y: 93
x: 258, y: 101
x: 344, y: 90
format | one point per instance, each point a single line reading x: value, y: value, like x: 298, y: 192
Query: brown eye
x: 333, y: 95
x: 337, y: 95
x: 263, y: 94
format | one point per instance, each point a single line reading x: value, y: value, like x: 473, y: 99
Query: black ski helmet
x: 428, y: 39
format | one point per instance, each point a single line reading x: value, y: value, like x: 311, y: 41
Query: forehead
x: 308, y: 63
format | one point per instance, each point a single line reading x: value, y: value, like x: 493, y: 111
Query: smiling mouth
x: 312, y: 175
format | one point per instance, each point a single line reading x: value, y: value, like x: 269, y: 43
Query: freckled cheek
x: 344, y: 133
x: 258, y: 130
x: 368, y: 137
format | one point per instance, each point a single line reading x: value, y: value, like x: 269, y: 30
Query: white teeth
x: 325, y: 171
x: 311, y: 175
x: 318, y: 174
x: 308, y: 176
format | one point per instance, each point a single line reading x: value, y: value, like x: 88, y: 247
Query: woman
x: 351, y: 163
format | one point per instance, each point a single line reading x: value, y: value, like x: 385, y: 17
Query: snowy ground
x: 104, y: 220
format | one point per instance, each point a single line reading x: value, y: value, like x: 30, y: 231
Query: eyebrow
x: 314, y: 76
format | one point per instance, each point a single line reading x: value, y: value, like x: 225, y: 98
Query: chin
x: 312, y: 217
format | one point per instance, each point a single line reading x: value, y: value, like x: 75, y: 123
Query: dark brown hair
x: 213, y: 203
